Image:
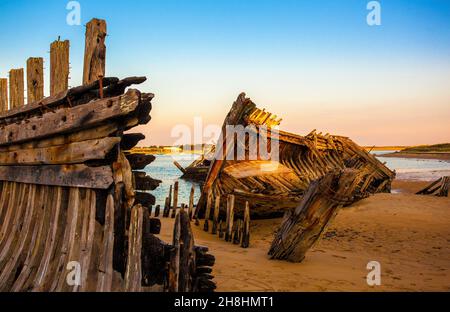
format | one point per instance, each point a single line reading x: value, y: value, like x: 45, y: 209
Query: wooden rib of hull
x: 45, y: 230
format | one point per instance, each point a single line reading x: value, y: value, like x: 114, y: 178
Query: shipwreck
x: 74, y: 206
x: 273, y: 187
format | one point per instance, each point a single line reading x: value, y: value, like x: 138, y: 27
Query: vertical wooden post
x: 16, y: 88
x: 95, y: 51
x: 230, y: 218
x: 208, y: 211
x: 170, y: 196
x: 237, y: 232
x: 221, y: 232
x: 246, y: 228
x: 3, y: 95
x: 216, y: 214
x: 166, y: 211
x: 191, y: 203
x: 59, y: 66
x: 174, y: 265
x: 35, y: 79
x: 157, y: 211
x: 175, y: 199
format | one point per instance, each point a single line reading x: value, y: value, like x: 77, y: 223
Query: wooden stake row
x: 236, y: 231
x: 94, y: 69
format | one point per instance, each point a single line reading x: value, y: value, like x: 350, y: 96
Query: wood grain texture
x: 74, y: 153
x: 68, y: 120
x: 59, y: 175
x: 4, y: 106
x: 35, y: 79
x: 16, y: 88
x: 133, y: 275
x: 95, y: 51
x: 303, y: 227
x: 59, y: 67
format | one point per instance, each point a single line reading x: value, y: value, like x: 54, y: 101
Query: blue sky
x: 315, y: 63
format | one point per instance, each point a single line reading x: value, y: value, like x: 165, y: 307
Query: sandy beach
x: 408, y: 235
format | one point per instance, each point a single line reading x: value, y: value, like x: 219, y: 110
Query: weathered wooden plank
x: 3, y: 95
x: 208, y: 211
x: 74, y: 153
x: 139, y: 162
x: 216, y: 215
x: 35, y: 79
x: 102, y: 131
x: 105, y: 265
x: 191, y: 202
x: 16, y: 88
x: 230, y: 218
x: 174, y: 265
x: 70, y: 119
x: 59, y: 67
x: 145, y: 199
x: 15, y: 263
x: 52, y: 239
x: 187, y: 254
x: 130, y: 140
x: 133, y: 275
x: 145, y: 183
x: 77, y: 95
x: 95, y: 51
x: 59, y: 175
x: 302, y: 228
x: 246, y: 227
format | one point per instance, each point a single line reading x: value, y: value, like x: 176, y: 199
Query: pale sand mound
x: 408, y: 234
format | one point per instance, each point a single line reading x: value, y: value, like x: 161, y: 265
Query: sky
x: 317, y: 63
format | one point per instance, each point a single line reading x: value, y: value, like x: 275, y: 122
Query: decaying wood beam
x: 174, y: 264
x: 73, y: 97
x: 133, y: 275
x: 73, y: 153
x: 303, y: 227
x: 99, y: 132
x: 130, y: 140
x: 145, y: 199
x: 35, y: 79
x: 139, y: 161
x: 439, y: 188
x: 95, y: 51
x: 59, y: 175
x: 143, y: 182
x: 59, y: 67
x: 16, y: 88
x: 245, y: 243
x: 230, y: 218
x: 191, y: 202
x: 208, y: 211
x: 3, y: 95
x: 216, y: 215
x: 68, y: 120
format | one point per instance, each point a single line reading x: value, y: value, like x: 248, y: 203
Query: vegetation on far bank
x: 437, y: 148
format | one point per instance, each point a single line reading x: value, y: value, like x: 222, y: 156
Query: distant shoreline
x: 445, y: 156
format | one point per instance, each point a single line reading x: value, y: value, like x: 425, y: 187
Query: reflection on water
x: 417, y: 169
x: 407, y: 169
